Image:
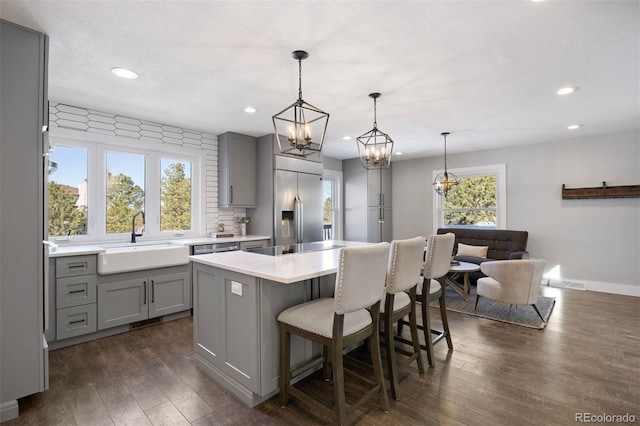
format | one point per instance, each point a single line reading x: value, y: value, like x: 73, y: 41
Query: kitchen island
x: 237, y: 298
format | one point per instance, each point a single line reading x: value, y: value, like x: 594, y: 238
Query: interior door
x: 310, y: 193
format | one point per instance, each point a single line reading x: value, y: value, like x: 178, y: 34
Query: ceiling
x: 487, y: 71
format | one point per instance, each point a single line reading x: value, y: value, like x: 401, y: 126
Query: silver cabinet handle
x: 145, y: 293
x: 77, y: 321
x: 153, y: 291
x: 230, y: 194
x: 77, y: 291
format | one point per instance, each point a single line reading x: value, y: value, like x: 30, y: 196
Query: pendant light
x: 300, y: 127
x: 443, y: 183
x: 374, y: 147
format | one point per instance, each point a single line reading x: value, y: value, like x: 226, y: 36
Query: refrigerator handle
x: 297, y: 213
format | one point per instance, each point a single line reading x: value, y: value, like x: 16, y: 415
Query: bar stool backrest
x: 438, y: 255
x: 405, y: 263
x: 361, y: 277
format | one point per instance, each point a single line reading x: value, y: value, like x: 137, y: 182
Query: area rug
x: 525, y: 316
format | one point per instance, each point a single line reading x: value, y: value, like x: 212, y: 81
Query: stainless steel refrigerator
x: 298, y: 202
x: 290, y: 203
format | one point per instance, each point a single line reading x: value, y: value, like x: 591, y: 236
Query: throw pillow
x: 475, y: 251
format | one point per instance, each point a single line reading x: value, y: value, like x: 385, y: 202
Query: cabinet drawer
x: 75, y: 321
x: 75, y: 291
x: 253, y: 244
x: 76, y: 265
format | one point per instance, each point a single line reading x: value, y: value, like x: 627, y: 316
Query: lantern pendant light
x: 300, y: 127
x: 375, y: 147
x: 443, y: 183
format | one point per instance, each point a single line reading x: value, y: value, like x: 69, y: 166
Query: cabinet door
x: 374, y: 216
x: 386, y: 227
x: 169, y: 294
x: 241, y: 338
x: 379, y: 187
x: 208, y: 310
x: 122, y: 302
x: 238, y: 182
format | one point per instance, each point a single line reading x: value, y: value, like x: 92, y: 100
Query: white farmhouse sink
x: 135, y: 258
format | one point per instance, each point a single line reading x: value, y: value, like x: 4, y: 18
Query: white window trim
x: 499, y: 170
x: 97, y: 145
x: 337, y: 208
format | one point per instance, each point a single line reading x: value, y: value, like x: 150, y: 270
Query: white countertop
x: 67, y: 249
x: 288, y: 268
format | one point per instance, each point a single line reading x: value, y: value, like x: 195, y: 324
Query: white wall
x: 596, y: 241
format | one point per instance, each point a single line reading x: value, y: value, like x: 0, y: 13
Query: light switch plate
x: 236, y: 288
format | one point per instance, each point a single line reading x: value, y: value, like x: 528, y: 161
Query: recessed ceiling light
x: 399, y: 153
x: 346, y: 138
x: 567, y: 90
x: 124, y: 73
x: 249, y: 110
x: 574, y: 126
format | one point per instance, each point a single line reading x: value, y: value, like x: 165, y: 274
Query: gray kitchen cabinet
x: 137, y: 296
x: 379, y: 187
x: 75, y: 292
x: 122, y: 302
x: 379, y: 224
x: 367, y: 203
x: 236, y: 329
x: 75, y: 321
x: 237, y: 170
x: 244, y: 245
x: 227, y: 303
x: 24, y: 118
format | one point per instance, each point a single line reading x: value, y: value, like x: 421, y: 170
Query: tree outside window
x: 472, y: 203
x: 175, y: 196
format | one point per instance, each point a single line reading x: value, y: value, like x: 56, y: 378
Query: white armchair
x: 516, y: 282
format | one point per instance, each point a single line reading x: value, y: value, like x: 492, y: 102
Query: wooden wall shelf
x: 604, y: 191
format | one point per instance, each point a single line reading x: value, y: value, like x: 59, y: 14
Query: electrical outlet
x: 236, y: 288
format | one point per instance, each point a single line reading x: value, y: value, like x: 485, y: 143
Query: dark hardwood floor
x: 586, y: 360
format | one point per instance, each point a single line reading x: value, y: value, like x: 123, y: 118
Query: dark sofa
x: 503, y: 245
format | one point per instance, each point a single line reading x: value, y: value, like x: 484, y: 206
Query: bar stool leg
x: 285, y: 367
x: 426, y: 328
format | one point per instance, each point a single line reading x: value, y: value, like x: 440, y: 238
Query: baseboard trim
x: 9, y: 410
x: 621, y: 289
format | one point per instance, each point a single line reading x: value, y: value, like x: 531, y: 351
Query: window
x: 124, y: 181
x: 68, y: 192
x: 175, y: 195
x: 99, y: 186
x: 331, y: 216
x: 478, y: 201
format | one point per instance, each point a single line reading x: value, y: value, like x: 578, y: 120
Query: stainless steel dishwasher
x: 214, y: 248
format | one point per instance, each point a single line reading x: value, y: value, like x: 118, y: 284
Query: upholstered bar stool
x: 338, y: 323
x: 437, y: 262
x: 403, y: 274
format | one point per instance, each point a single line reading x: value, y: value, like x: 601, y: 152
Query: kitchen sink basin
x: 115, y: 260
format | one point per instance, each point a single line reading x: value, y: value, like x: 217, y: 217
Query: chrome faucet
x: 133, y: 226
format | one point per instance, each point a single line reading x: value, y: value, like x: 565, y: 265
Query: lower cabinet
x: 236, y: 328
x: 139, y: 298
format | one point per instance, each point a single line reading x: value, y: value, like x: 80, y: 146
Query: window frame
x: 336, y: 177
x: 497, y: 170
x: 97, y: 146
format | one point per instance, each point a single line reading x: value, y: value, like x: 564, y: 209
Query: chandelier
x: 374, y: 147
x: 300, y: 127
x: 443, y: 183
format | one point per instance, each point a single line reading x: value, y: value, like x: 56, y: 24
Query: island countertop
x: 287, y: 269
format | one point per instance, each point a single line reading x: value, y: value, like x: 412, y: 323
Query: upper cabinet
x: 237, y: 170
x: 379, y: 187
